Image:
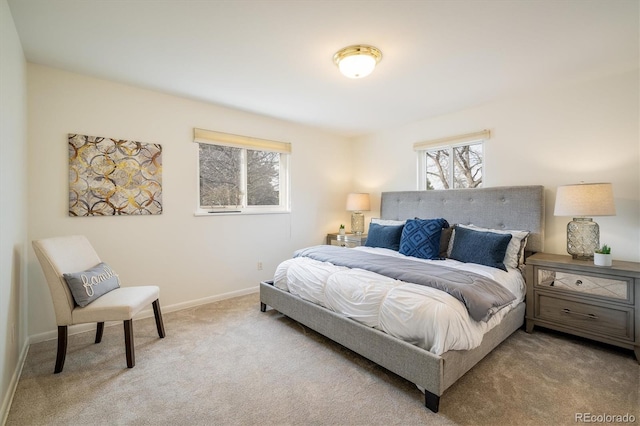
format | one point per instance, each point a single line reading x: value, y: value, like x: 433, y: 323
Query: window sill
x: 199, y: 213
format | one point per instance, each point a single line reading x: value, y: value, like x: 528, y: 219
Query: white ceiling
x: 275, y: 57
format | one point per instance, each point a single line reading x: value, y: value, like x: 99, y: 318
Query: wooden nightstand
x: 346, y: 240
x: 577, y: 297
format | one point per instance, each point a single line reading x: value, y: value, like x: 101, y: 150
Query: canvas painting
x: 113, y: 177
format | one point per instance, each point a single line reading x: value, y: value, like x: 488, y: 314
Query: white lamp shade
x: 358, y: 202
x: 585, y: 199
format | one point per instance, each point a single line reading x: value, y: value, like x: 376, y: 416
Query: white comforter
x: 424, y: 316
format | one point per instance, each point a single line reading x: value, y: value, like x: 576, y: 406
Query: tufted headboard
x: 506, y: 207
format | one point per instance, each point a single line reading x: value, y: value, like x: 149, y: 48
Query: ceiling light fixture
x: 357, y: 61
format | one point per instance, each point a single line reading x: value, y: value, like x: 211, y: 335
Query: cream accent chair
x: 75, y: 254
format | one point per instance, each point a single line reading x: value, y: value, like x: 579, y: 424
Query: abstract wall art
x: 113, y: 177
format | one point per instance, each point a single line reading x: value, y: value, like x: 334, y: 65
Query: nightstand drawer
x: 613, y: 288
x: 346, y: 240
x: 349, y: 244
x: 610, y: 321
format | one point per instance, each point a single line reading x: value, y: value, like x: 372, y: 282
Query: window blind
x: 451, y: 140
x: 237, y: 141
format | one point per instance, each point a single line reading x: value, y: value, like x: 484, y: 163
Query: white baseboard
x: 203, y: 301
x: 81, y: 328
x: 13, y: 384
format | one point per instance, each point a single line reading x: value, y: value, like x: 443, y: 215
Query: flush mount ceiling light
x: 357, y: 61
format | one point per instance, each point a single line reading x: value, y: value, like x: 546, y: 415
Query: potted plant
x: 602, y: 256
x: 341, y: 230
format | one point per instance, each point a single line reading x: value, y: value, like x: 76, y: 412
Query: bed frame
x: 514, y: 207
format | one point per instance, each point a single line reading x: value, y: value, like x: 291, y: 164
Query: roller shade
x: 237, y: 141
x: 451, y: 140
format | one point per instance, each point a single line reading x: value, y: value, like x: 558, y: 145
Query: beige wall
x: 13, y: 201
x: 587, y: 132
x: 190, y: 258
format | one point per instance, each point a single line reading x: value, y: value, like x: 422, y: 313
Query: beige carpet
x: 226, y: 363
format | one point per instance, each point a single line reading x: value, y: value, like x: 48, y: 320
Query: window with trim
x: 453, y: 162
x: 239, y: 174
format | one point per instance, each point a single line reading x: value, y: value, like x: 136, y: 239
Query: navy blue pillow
x: 421, y: 238
x: 384, y: 236
x: 483, y: 248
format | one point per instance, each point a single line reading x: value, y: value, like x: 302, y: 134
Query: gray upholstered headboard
x: 507, y: 207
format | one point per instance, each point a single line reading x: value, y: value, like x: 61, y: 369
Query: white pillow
x: 387, y: 222
x: 515, y: 250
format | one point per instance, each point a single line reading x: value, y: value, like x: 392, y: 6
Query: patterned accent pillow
x: 421, y: 238
x: 480, y: 247
x: 87, y: 286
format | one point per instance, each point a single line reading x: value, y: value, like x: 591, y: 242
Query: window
x: 238, y: 174
x: 454, y: 162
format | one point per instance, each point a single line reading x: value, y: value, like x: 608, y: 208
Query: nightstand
x: 346, y: 240
x: 577, y: 297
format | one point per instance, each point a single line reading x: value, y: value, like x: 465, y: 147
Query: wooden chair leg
x: 158, y: 314
x: 128, y: 343
x: 99, y: 332
x: 62, y: 348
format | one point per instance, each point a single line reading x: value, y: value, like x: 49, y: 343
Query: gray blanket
x: 482, y: 296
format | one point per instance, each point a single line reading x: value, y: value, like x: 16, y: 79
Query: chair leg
x: 158, y: 314
x: 62, y: 348
x: 128, y: 343
x: 99, y: 332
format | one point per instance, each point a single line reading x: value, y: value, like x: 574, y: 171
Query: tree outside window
x: 454, y: 166
x: 241, y: 174
x: 240, y: 178
x: 263, y: 178
x: 220, y: 176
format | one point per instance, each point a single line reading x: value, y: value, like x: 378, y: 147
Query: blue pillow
x: 384, y: 236
x: 483, y: 248
x: 421, y: 238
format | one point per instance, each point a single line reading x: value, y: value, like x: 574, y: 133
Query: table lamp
x: 583, y: 201
x: 357, y: 203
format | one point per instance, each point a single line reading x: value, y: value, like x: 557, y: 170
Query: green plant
x: 605, y: 249
x: 341, y: 226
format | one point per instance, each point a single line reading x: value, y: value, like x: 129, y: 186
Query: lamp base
x: 357, y: 223
x: 583, y: 238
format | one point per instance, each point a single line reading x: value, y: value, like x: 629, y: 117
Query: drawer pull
x: 578, y: 282
x: 568, y: 311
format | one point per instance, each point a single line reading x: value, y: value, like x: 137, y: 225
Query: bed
x: 434, y: 367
